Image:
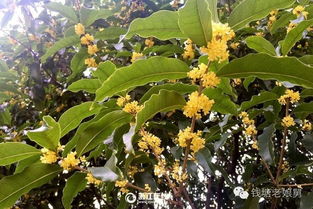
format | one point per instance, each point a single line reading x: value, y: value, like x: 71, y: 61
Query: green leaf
x: 247, y: 81
x: 95, y: 133
x: 250, y: 10
x: 283, y: 21
x: 21, y: 165
x: 252, y: 203
x: 64, y: 10
x: 64, y: 42
x: 78, y: 63
x: 88, y: 85
x: 213, y: 9
x: 308, y: 142
x: 12, y: 187
x: 164, y: 50
x: 75, y: 184
x: 306, y: 201
x: 307, y: 93
x: 266, y: 145
x: 72, y: 117
x: 307, y: 59
x: 11, y: 152
x: 267, y: 67
x: 162, y: 102
x: 48, y: 135
x: 104, y: 70
x: 194, y: 20
x: 222, y: 102
x: 178, y: 87
x: 264, y: 96
x: 142, y: 72
x: 303, y: 110
x: 162, y: 25
x: 260, y: 44
x: 89, y: 16
x: 294, y: 36
x: 110, y: 33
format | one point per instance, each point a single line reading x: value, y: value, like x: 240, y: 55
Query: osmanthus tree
x: 195, y: 99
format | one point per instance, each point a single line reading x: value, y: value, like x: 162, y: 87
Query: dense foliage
x: 196, y: 99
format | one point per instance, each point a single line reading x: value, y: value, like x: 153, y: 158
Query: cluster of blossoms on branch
x: 70, y: 162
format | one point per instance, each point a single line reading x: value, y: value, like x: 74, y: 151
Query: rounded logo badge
x: 130, y: 197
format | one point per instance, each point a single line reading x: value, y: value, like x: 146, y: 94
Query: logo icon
x: 239, y: 191
x: 130, y: 197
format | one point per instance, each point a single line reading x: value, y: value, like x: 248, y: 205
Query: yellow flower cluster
x: 132, y: 108
x: 87, y: 39
x: 300, y: 11
x: 207, y: 79
x: 91, y: 62
x: 149, y: 42
x: 121, y: 101
x: 150, y: 141
x: 69, y: 161
x: 79, y: 29
x: 250, y: 128
x: 189, y: 52
x: 136, y: 56
x: 48, y: 156
x: 307, y: 126
x: 92, y: 49
x: 217, y: 47
x: 132, y: 170
x: 159, y: 169
x: 123, y: 185
x: 177, y: 173
x: 92, y: 180
x: 289, y: 96
x: 187, y: 136
x: 197, y: 104
x: 288, y: 121
x: 272, y: 18
x: 255, y: 145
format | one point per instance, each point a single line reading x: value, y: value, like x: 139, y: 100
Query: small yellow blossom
x: 234, y: 45
x: 217, y: 47
x: 132, y: 170
x: 261, y: 34
x: 273, y: 12
x: 291, y: 26
x: 307, y: 126
x: 288, y: 121
x: 123, y: 185
x: 255, y: 145
x: 136, y: 56
x: 69, y: 161
x: 48, y: 156
x: 121, y: 101
x: 91, y: 62
x: 186, y: 136
x: 150, y: 141
x: 290, y: 95
x: 243, y: 114
x: 87, y: 39
x: 132, y: 108
x: 189, y: 53
x: 149, y: 42
x: 208, y: 79
x: 177, y: 173
x: 92, y: 180
x: 79, y: 29
x: 247, y: 121
x: 251, y: 130
x: 92, y: 49
x: 159, y: 169
x: 147, y: 187
x: 216, y: 50
x: 197, y: 104
x: 299, y: 11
